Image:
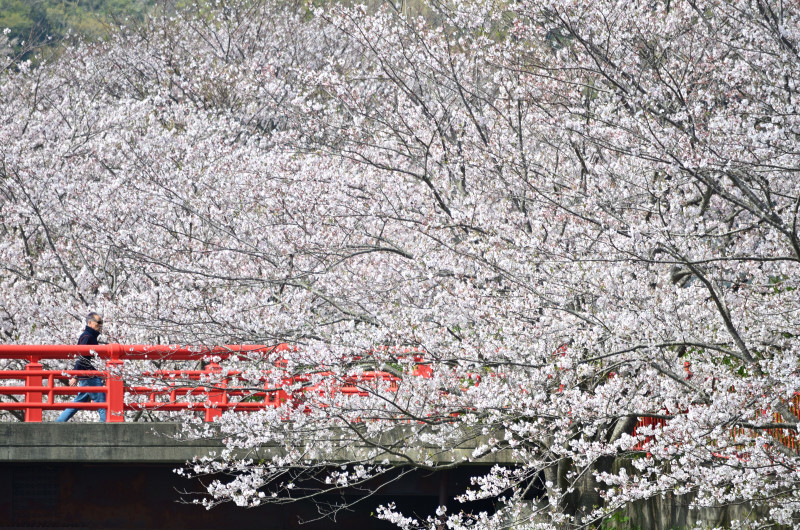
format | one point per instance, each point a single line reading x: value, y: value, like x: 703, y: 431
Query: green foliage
x: 618, y: 521
x: 36, y: 23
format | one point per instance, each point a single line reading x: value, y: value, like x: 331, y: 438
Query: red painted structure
x: 190, y: 389
x: 40, y: 387
x: 176, y: 389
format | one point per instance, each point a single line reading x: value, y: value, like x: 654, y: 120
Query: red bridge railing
x: 206, y: 390
x: 177, y: 389
x: 785, y: 437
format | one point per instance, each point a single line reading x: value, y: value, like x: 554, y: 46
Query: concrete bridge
x: 158, y: 443
x: 99, y: 443
x: 94, y: 475
x: 121, y: 475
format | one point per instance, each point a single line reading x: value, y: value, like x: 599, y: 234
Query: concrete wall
x: 98, y: 442
x: 156, y: 442
x: 140, y: 457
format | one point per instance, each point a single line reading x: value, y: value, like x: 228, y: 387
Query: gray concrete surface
x: 97, y: 442
x: 156, y: 442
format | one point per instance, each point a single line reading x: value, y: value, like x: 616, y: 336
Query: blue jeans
x: 97, y: 397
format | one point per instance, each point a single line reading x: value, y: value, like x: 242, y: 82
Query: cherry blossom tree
x: 577, y: 214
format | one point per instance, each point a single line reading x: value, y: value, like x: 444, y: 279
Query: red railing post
x: 216, y: 396
x: 33, y: 414
x: 115, y: 399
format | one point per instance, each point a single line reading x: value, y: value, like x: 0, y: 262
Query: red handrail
x: 786, y: 438
x: 38, y: 352
x: 41, y: 387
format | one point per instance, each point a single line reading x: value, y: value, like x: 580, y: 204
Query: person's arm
x: 84, y: 339
x: 74, y: 380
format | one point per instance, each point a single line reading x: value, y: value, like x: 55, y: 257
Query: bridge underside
x: 92, y: 475
x: 145, y: 496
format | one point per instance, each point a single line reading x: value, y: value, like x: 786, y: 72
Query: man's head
x: 94, y: 321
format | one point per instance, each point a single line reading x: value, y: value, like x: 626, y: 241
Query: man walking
x: 94, y: 326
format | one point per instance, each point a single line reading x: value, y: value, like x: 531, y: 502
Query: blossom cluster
x: 579, y: 214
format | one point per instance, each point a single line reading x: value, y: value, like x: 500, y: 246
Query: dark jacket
x: 89, y: 336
